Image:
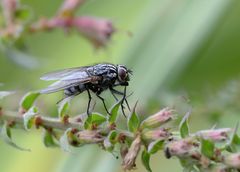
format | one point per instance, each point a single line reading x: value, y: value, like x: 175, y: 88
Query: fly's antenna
x: 130, y: 71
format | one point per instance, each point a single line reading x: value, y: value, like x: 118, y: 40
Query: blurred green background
x: 184, y: 54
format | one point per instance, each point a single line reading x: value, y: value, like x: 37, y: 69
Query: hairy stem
x: 48, y: 122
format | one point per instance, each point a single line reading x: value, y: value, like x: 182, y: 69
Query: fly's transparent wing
x: 60, y: 74
x: 68, y: 78
x: 63, y: 84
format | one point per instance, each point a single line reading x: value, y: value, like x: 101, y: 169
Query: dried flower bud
x: 160, y: 133
x: 215, y: 134
x: 89, y: 136
x: 219, y: 168
x: 130, y: 158
x: 69, y: 6
x: 233, y: 160
x: 123, y: 150
x: 158, y: 119
x: 180, y: 148
x: 98, y: 31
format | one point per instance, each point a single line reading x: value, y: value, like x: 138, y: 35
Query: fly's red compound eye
x: 122, y: 74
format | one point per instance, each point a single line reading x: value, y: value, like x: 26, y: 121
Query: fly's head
x: 123, y: 74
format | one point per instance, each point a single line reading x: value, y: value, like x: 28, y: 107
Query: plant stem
x: 47, y: 122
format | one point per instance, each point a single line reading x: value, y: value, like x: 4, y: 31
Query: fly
x: 96, y: 78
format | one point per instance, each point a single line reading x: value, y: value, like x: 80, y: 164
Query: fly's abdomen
x: 74, y: 90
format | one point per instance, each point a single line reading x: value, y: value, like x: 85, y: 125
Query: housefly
x: 96, y: 78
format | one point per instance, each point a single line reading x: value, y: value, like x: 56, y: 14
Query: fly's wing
x: 68, y: 78
x: 60, y: 74
x: 61, y: 85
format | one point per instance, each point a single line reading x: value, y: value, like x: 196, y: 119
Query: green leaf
x: 112, y: 136
x: 188, y: 166
x: 28, y: 117
x: 63, y: 107
x: 28, y: 100
x: 133, y: 121
x: 48, y: 139
x: 94, y: 119
x: 64, y: 140
x: 234, y: 138
x: 233, y: 141
x: 114, y: 112
x: 183, y: 127
x: 5, y: 94
x: 110, y: 140
x: 146, y: 159
x: 155, y: 146
x: 23, y: 13
x: 6, y: 136
x: 207, y: 148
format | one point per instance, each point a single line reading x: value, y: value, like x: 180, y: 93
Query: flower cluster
x: 205, y: 150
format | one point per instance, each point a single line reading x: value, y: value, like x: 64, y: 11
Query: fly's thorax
x: 104, y: 69
x: 107, y: 72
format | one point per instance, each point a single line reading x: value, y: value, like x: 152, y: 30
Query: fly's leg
x: 112, y: 92
x: 127, y: 101
x: 89, y: 101
x: 103, y: 101
x: 121, y: 93
x: 116, y: 91
x: 123, y: 98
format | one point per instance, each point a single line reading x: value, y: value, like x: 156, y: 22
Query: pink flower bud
x: 69, y: 6
x: 233, y: 160
x: 160, y: 133
x: 180, y: 148
x: 215, y: 134
x: 9, y: 8
x: 89, y: 136
x: 158, y: 119
x: 98, y: 31
x: 130, y: 158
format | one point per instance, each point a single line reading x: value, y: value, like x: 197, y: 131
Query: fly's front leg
x: 112, y: 90
x: 122, y: 84
x: 120, y: 93
x: 124, y: 99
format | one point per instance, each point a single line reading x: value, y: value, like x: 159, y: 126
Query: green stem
x: 48, y: 122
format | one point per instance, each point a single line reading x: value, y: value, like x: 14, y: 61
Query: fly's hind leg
x: 89, y: 101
